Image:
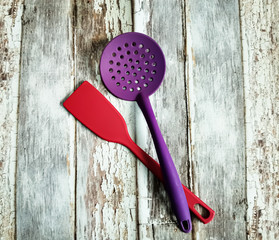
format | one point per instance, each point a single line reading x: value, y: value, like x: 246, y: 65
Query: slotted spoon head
x: 132, y: 64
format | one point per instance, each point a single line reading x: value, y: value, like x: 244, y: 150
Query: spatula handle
x: 154, y: 167
x: 170, y: 175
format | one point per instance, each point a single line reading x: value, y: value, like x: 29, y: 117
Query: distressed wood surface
x: 106, y: 172
x: 216, y: 116
x: 10, y: 37
x: 45, y: 200
x: 260, y: 36
x: 217, y: 109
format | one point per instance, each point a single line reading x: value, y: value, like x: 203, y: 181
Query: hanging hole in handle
x: 186, y: 226
x: 202, y: 211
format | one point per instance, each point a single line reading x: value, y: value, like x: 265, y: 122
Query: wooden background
x: 218, y: 109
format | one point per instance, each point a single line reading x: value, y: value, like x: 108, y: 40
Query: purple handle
x: 170, y: 175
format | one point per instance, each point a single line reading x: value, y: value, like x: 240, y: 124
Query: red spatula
x: 94, y: 111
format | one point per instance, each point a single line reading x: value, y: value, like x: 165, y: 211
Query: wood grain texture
x: 106, y: 172
x: 45, y: 203
x: 60, y: 181
x: 10, y: 37
x: 260, y: 36
x: 216, y: 116
x: 164, y: 23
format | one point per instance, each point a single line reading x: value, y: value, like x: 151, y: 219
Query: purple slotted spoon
x: 132, y: 68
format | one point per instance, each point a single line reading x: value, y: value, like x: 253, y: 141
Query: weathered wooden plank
x: 260, y: 37
x: 10, y: 36
x: 106, y: 188
x: 165, y: 23
x: 106, y: 172
x: 216, y: 115
x: 45, y: 203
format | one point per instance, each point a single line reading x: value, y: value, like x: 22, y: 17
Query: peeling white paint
x: 260, y: 64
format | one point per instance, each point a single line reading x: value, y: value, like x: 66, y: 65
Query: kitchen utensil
x: 94, y: 111
x: 132, y: 67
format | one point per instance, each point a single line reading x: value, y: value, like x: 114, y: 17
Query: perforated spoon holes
x: 130, y: 62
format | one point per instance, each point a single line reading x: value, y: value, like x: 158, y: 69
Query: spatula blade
x: 94, y: 111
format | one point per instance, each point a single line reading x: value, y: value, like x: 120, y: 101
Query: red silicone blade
x: 94, y: 111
